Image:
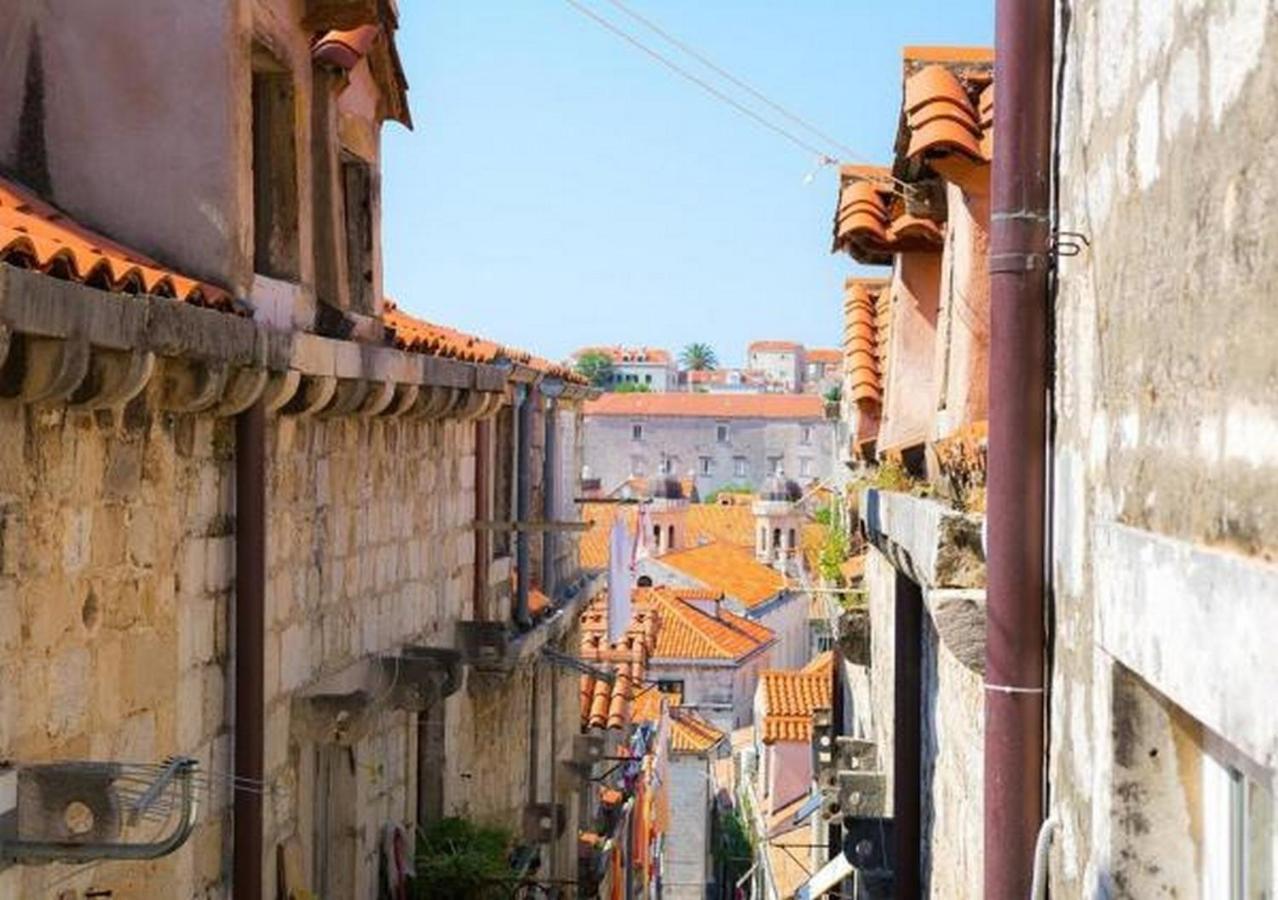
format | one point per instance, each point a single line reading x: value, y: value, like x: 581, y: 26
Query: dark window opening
x: 275, y: 204
x: 357, y: 201
x: 670, y: 543
x: 644, y: 581
x: 503, y: 477
x: 671, y: 686
x: 914, y: 461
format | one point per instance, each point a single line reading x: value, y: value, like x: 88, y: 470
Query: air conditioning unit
x: 544, y: 823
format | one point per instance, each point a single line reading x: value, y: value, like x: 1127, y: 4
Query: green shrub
x: 458, y: 860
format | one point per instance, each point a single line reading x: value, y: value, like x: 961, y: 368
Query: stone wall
x: 686, y: 866
x: 613, y: 455
x: 369, y: 549
x: 1166, y: 478
x: 116, y: 555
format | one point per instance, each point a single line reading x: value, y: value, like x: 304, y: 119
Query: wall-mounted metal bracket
x: 84, y: 811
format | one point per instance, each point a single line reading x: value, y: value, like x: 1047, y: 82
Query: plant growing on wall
x: 698, y: 357
x: 460, y: 860
x: 733, y: 851
x: 596, y: 367
x: 629, y: 387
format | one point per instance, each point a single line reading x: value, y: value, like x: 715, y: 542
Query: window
x: 740, y: 467
x: 805, y: 435
x: 636, y: 432
x: 503, y: 470
x: 721, y: 432
x: 644, y: 581
x: 647, y: 379
x: 667, y: 465
x: 774, y: 464
x: 638, y: 465
x: 671, y: 686
x: 706, y: 465
x: 357, y: 201
x: 791, y: 545
x: 274, y: 140
x: 805, y: 466
x: 1237, y: 815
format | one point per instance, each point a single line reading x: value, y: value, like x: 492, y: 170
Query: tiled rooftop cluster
x: 35, y: 235
x: 792, y: 697
x: 666, y: 624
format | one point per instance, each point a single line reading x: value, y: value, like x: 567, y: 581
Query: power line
x: 823, y: 157
x: 710, y: 64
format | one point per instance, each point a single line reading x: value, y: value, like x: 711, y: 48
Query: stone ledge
x: 933, y: 544
x: 959, y: 617
x: 60, y: 340
x: 1190, y: 621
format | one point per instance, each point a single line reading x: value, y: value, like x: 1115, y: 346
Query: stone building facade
x: 1160, y: 751
x: 720, y: 440
x: 1163, y: 744
x: 252, y: 515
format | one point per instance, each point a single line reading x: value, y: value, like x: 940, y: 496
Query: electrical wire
x: 823, y: 157
x: 850, y: 154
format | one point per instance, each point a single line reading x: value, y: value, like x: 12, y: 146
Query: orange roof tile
x: 948, y: 113
x: 36, y: 235
x: 731, y: 523
x: 408, y: 332
x: 690, y: 733
x: 605, y: 705
x: 344, y: 49
x: 729, y: 568
x: 654, y: 356
x: 861, y: 341
x: 826, y: 355
x: 688, y: 632
x: 943, y: 54
x: 719, y: 406
x: 790, y: 697
x: 773, y: 347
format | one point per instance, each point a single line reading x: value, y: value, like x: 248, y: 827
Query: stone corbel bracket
x: 942, y: 551
x: 63, y: 343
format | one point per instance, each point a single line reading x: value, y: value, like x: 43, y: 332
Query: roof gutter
x: 1019, y: 246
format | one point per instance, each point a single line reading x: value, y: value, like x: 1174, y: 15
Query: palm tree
x: 698, y: 357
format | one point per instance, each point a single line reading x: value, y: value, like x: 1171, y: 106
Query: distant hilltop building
x: 718, y: 440
x: 784, y: 367
x: 646, y: 367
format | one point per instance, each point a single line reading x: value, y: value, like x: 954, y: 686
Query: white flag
x: 619, y: 579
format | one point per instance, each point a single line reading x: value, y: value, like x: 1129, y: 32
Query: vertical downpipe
x: 548, y: 488
x: 1019, y: 248
x: 250, y: 623
x: 907, y: 753
x: 526, y: 397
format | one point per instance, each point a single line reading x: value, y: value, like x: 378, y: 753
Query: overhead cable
x: 824, y: 158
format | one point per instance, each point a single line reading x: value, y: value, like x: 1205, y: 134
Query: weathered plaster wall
x: 962, y: 346
x: 687, y: 866
x: 953, y: 736
x: 909, y: 387
x: 613, y: 455
x: 1167, y: 415
x: 116, y: 555
x: 368, y: 550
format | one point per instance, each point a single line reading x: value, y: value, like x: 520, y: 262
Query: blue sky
x: 563, y: 189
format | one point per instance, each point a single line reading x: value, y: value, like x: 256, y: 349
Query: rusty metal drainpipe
x: 526, y: 398
x: 1019, y: 255
x: 250, y: 625
x: 549, y: 485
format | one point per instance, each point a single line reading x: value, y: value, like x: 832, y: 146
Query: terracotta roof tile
x: 790, y: 697
x: 949, y: 122
x: 871, y: 222
x: 729, y: 568
x: 826, y: 355
x: 719, y: 406
x: 36, y: 235
x: 344, y: 49
x: 690, y: 733
x: 773, y: 347
x: 688, y: 632
x: 630, y: 355
x: 408, y: 332
x: 731, y: 523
